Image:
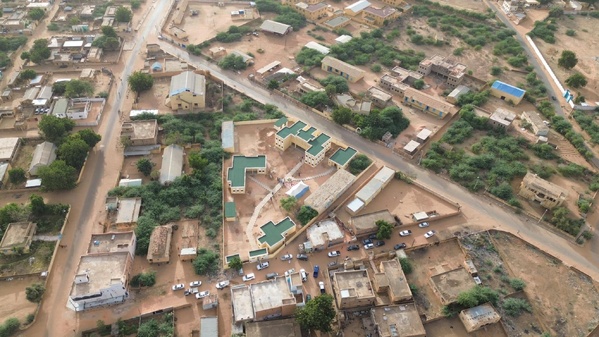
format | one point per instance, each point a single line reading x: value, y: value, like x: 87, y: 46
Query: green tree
x: 55, y: 129
x: 576, y: 80
x: 339, y: 82
x: 27, y: 74
x: 206, y: 262
x: 418, y: 84
x: 496, y: 71
x: 342, y: 115
x: 40, y: 51
x: 139, y: 82
x: 288, y: 203
x: 74, y: 152
x: 196, y: 161
x: 37, y: 204
x: 111, y: 43
x: 16, y: 176
x: 359, y: 164
x: 58, y: 176
x: 53, y: 27
x: 305, y: 214
x: 515, y: 306
x: 235, y: 263
x: 109, y: 31
x: 568, y: 59
x: 376, y: 68
x: 145, y: 279
x: 35, y: 292
x: 25, y: 55
x: 58, y: 88
x: 9, y: 327
x: 88, y: 136
x: 570, y: 32
x: 384, y: 230
x: 406, y: 265
x: 135, y: 4
x: 123, y: 14
x: 517, y: 284
x: 36, y: 14
x: 148, y: 329
x: 317, y: 314
x: 143, y: 232
x: 78, y: 88
x: 315, y: 99
x: 145, y: 166
x: 273, y: 84
x: 232, y: 61
x: 556, y: 11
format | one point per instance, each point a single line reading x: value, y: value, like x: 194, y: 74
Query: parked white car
x: 423, y: 225
x: 222, y: 284
x: 368, y: 246
x: 202, y: 294
x: 286, y: 257
x: 405, y: 232
x: 334, y: 253
x: 304, y: 275
x: 321, y: 286
x: 263, y: 265
x: 179, y: 286
x: 248, y: 277
x: 429, y: 234
x: 195, y: 284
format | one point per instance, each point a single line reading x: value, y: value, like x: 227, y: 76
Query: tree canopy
x: 145, y: 166
x: 123, y: 14
x: 305, y: 214
x: 139, y: 81
x: 317, y: 314
x: 40, y: 51
x: 58, y: 176
x: 27, y: 74
x: 288, y: 203
x: 73, y: 151
x: 568, y: 59
x: 35, y: 292
x: 55, y: 129
x: 315, y: 99
x: 339, y: 82
x: 378, y: 122
x: 36, y: 14
x: 206, y: 262
x: 359, y: 163
x: 576, y: 80
x: 384, y: 230
x: 78, y: 88
x: 235, y: 263
x: 232, y: 61
x: 88, y: 136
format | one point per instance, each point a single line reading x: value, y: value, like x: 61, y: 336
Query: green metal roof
x: 282, y: 121
x: 317, y: 144
x: 228, y: 258
x: 342, y: 156
x: 230, y: 210
x: 273, y: 233
x: 258, y: 252
x: 294, y: 129
x: 236, y: 173
x: 306, y: 134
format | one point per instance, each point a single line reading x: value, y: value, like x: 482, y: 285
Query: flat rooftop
x: 143, y: 129
x: 324, y: 231
x: 275, y: 328
x: 241, y: 300
x: 239, y: 166
x: 103, y: 271
x: 398, y: 284
x: 17, y: 233
x: 271, y: 294
x: 129, y: 209
x: 343, y: 156
x: 110, y: 242
x: 451, y: 283
x: 7, y: 147
x: 291, y: 130
x: 273, y: 233
x: 355, y: 282
x: 398, y: 320
x: 328, y: 192
x: 366, y: 221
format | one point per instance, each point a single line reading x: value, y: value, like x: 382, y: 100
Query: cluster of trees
x: 154, y: 328
x: 587, y: 123
x: 562, y: 219
x: 27, y: 74
x: 334, y: 84
x: 316, y: 99
x: 471, y: 298
x: 232, y: 61
x: 196, y: 49
x: 419, y: 40
x: 378, y: 122
x: 576, y: 80
x: 71, y: 153
x: 38, y: 53
x: 233, y: 34
x: 372, y: 47
x: 73, y: 88
x: 123, y: 14
x: 9, y: 327
x: 286, y: 15
x: 544, y: 30
x: 474, y: 98
x: 140, y: 82
x: 7, y: 45
x: 145, y: 279
x: 109, y: 40
x: 561, y: 125
x: 206, y: 262
x: 359, y: 163
x: 36, y: 14
x: 457, y: 12
x: 534, y: 88
x: 567, y: 60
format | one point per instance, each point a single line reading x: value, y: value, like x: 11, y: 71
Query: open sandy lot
x: 586, y: 46
x: 453, y: 327
x: 475, y: 6
x: 14, y: 302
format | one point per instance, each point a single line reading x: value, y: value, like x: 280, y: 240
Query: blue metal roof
x: 509, y: 89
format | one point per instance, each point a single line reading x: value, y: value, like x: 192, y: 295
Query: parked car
x: 263, y: 265
x: 399, y: 246
x: 316, y: 270
x: 286, y: 257
x: 405, y: 232
x: 372, y: 236
x: 423, y: 225
x: 202, y: 294
x: 379, y: 243
x: 290, y: 271
x: 366, y: 241
x: 429, y: 234
x: 353, y: 247
x: 304, y: 275
x: 248, y: 277
x: 334, y: 253
x: 369, y: 246
x: 222, y: 284
x: 195, y: 284
x: 271, y: 276
x: 302, y: 257
x: 179, y: 286
x: 191, y: 291
x: 321, y: 286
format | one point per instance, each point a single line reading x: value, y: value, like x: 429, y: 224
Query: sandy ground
x: 475, y: 6
x: 586, y: 46
x: 12, y: 295
x: 453, y: 327
x: 155, y: 98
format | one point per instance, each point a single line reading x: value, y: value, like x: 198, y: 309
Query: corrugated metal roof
x: 509, y: 89
x: 44, y: 154
x: 275, y: 27
x: 343, y: 67
x: 358, y: 6
x: 188, y: 81
x: 172, y: 163
x: 318, y: 47
x: 61, y: 106
x: 228, y: 135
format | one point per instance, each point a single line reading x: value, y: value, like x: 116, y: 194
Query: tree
x: 145, y: 279
x: 496, y: 71
x: 25, y: 55
x: 54, y: 129
x: 145, y: 166
x: 123, y: 14
x: 556, y: 11
x: 135, y: 4
x: 148, y: 329
x: 273, y: 84
x: 88, y: 136
x: 36, y: 14
x: 109, y: 31
x: 143, y: 232
x: 78, y: 88
x: 206, y: 262
x: 418, y: 84
x: 235, y: 263
x: 576, y: 80
x: 16, y: 176
x: 376, y: 68
x: 58, y: 176
x: 406, y: 265
x: 384, y: 229
x: 342, y: 115
x: 232, y: 61
x: 568, y: 59
x: 27, y: 74
x: 40, y: 51
x: 305, y: 214
x: 288, y: 203
x: 10, y: 326
x: 515, y: 306
x: 58, y: 88
x: 73, y: 151
x: 37, y: 204
x: 339, y: 82
x: 111, y: 43
x: 318, y: 314
x: 359, y: 164
x: 517, y: 284
x: 315, y: 99
x: 571, y: 32
x: 35, y: 292
x: 139, y: 82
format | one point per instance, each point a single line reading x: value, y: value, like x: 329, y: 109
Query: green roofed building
x: 342, y: 157
x: 242, y: 165
x: 274, y: 234
x: 230, y: 211
x: 304, y: 136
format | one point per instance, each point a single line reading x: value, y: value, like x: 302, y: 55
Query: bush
x: 570, y: 32
x: 359, y: 163
x: 35, y: 292
x: 16, y: 176
x: 517, y: 284
x: 515, y: 306
x: 206, y: 262
x: 406, y: 265
x: 496, y: 71
x: 146, y: 279
x: 544, y: 31
x: 305, y: 214
x: 9, y: 327
x: 376, y: 68
x: 232, y: 61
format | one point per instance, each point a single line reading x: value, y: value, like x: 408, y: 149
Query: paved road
x: 477, y: 209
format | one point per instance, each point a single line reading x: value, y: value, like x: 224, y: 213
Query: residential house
x: 43, y: 155
x: 351, y: 73
x: 172, y: 164
x: 379, y: 17
x: 548, y: 194
x: 274, y: 27
x: 502, y: 118
x: 507, y: 92
x: 140, y: 132
x: 312, y: 12
x: 453, y: 72
x: 427, y: 103
x: 538, y: 125
x: 379, y: 97
x: 187, y: 91
x: 353, y: 289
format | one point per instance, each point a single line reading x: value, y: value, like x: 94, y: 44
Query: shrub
x: 145, y: 279
x: 515, y: 306
x: 517, y: 284
x: 16, y: 175
x: 359, y: 164
x: 35, y: 292
x: 305, y: 214
x: 406, y: 265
